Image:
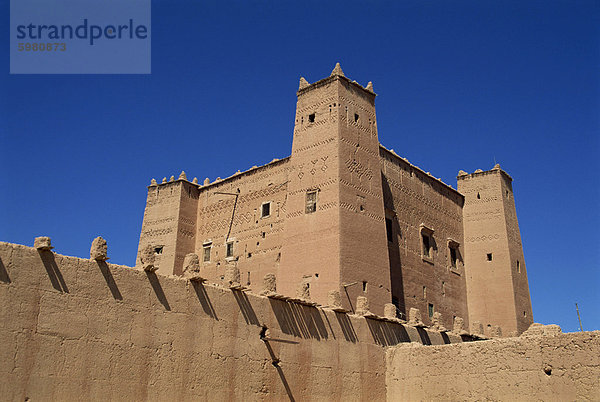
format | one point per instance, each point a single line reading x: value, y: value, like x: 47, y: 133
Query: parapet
x: 462, y: 175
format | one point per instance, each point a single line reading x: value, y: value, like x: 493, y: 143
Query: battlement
x: 336, y: 74
x: 462, y: 175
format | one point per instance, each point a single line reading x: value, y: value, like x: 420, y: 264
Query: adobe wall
x: 76, y: 329
x: 413, y: 198
x: 558, y: 367
x: 497, y: 286
x: 257, y: 240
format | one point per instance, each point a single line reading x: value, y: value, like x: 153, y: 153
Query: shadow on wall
x: 110, y: 281
x: 389, y: 333
x: 424, y: 336
x: 394, y: 251
x: 158, y: 290
x: 245, y: 307
x: 298, y: 320
x: 346, y: 326
x: 275, y: 363
x: 56, y: 278
x: 4, y: 273
x: 204, y: 300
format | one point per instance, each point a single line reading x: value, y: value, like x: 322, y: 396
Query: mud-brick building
x: 344, y: 213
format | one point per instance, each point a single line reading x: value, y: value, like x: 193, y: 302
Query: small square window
x: 158, y: 250
x: 206, y: 253
x: 265, y: 210
x: 229, y: 249
x: 311, y: 202
x: 489, y: 256
x: 311, y: 118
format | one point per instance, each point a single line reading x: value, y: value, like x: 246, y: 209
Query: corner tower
x: 334, y: 235
x: 169, y: 224
x: 497, y: 287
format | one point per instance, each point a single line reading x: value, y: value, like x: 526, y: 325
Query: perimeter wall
x: 76, y: 329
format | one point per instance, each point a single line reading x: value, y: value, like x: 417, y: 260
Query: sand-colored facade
x: 345, y: 214
x: 83, y: 329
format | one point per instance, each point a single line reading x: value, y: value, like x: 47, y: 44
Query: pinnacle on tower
x: 303, y: 83
x: 182, y: 176
x: 369, y: 86
x: 337, y: 70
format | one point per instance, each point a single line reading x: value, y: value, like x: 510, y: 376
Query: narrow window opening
x: 453, y: 257
x: 316, y: 275
x: 364, y: 286
x: 389, y: 229
x: 489, y: 256
x: 264, y: 234
x: 249, y: 255
x: 265, y: 210
x: 311, y: 118
x: 229, y: 249
x: 524, y: 313
x: 311, y: 202
x: 248, y: 281
x: 444, y: 289
x: 362, y: 208
x: 424, y: 292
x: 355, y: 118
x: 430, y: 309
x: 426, y: 245
x: 478, y: 196
x: 206, y: 254
x: 158, y: 250
x: 518, y: 266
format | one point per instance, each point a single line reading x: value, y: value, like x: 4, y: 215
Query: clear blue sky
x: 460, y: 84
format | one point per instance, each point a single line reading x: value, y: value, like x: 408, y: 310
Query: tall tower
x: 169, y: 224
x: 497, y: 287
x: 334, y: 233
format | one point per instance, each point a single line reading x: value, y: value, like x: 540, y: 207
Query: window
x: 426, y: 245
x: 311, y: 118
x: 265, y: 210
x: 424, y: 292
x: 452, y: 257
x: 478, y: 196
x: 364, y: 286
x: 444, y: 289
x: 389, y: 229
x: 518, y: 266
x: 229, y: 249
x: 430, y: 310
x: 158, y: 250
x: 206, y: 253
x: 426, y: 242
x: 489, y: 256
x: 356, y: 118
x: 453, y: 247
x: 311, y: 202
